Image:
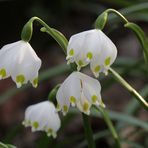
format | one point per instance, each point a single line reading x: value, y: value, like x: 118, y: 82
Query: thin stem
x: 129, y: 88
x: 58, y: 36
x: 118, y: 13
x: 88, y: 131
x: 51, y: 31
x: 110, y: 126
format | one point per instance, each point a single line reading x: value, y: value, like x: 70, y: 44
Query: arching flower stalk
x: 19, y: 61
x: 79, y: 90
x: 42, y: 117
x: 93, y: 47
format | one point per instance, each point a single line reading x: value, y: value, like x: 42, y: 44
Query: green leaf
x: 118, y: 117
x: 129, y: 88
x: 141, y: 36
x: 11, y: 146
x: 2, y: 145
x: 97, y: 136
x: 132, y: 144
x: 123, y: 118
x: 12, y: 133
x: 101, y: 20
x: 27, y: 31
x: 133, y: 106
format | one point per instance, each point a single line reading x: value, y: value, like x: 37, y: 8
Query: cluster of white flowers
x: 78, y: 89
x: 20, y: 61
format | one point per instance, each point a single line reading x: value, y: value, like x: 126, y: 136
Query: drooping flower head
x: 93, y: 47
x: 19, y: 61
x: 79, y: 90
x: 42, y: 117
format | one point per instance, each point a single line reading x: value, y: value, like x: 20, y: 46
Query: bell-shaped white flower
x: 93, y: 47
x: 42, y: 117
x: 79, y: 90
x: 19, y: 61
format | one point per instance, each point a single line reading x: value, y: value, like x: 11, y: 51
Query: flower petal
x: 43, y: 117
x: 19, y: 61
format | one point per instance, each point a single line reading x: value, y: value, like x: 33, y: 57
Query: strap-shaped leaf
x: 2, y: 145
x: 141, y: 36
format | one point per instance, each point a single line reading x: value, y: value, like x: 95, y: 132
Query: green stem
x: 102, y: 18
x: 110, y: 126
x: 58, y: 36
x: 52, y: 31
x: 129, y: 88
x: 88, y: 131
x: 118, y: 13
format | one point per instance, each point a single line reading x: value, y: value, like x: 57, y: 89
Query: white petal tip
x: 18, y: 85
x: 87, y: 60
x: 35, y: 86
x: 73, y: 104
x: 68, y: 62
x: 102, y: 105
x: 106, y: 73
x: 68, y: 57
x: 96, y: 74
x: 96, y: 103
x: 87, y: 113
x: 33, y: 129
x: 64, y: 113
x: 24, y: 123
x: 54, y: 135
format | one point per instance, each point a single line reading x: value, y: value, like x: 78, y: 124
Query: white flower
x: 42, y: 117
x: 79, y: 90
x: 19, y: 61
x: 93, y: 47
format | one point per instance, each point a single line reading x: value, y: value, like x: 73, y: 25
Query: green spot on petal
x: 72, y: 99
x: 94, y: 98
x: 71, y: 52
x: 35, y: 124
x: 49, y: 131
x: 85, y: 107
x: 2, y: 72
x: 80, y: 62
x: 89, y: 55
x: 20, y: 79
x: 65, y: 108
x: 107, y: 61
x: 35, y: 82
x: 97, y: 68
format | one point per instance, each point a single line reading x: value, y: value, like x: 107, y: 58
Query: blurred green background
x: 71, y: 17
